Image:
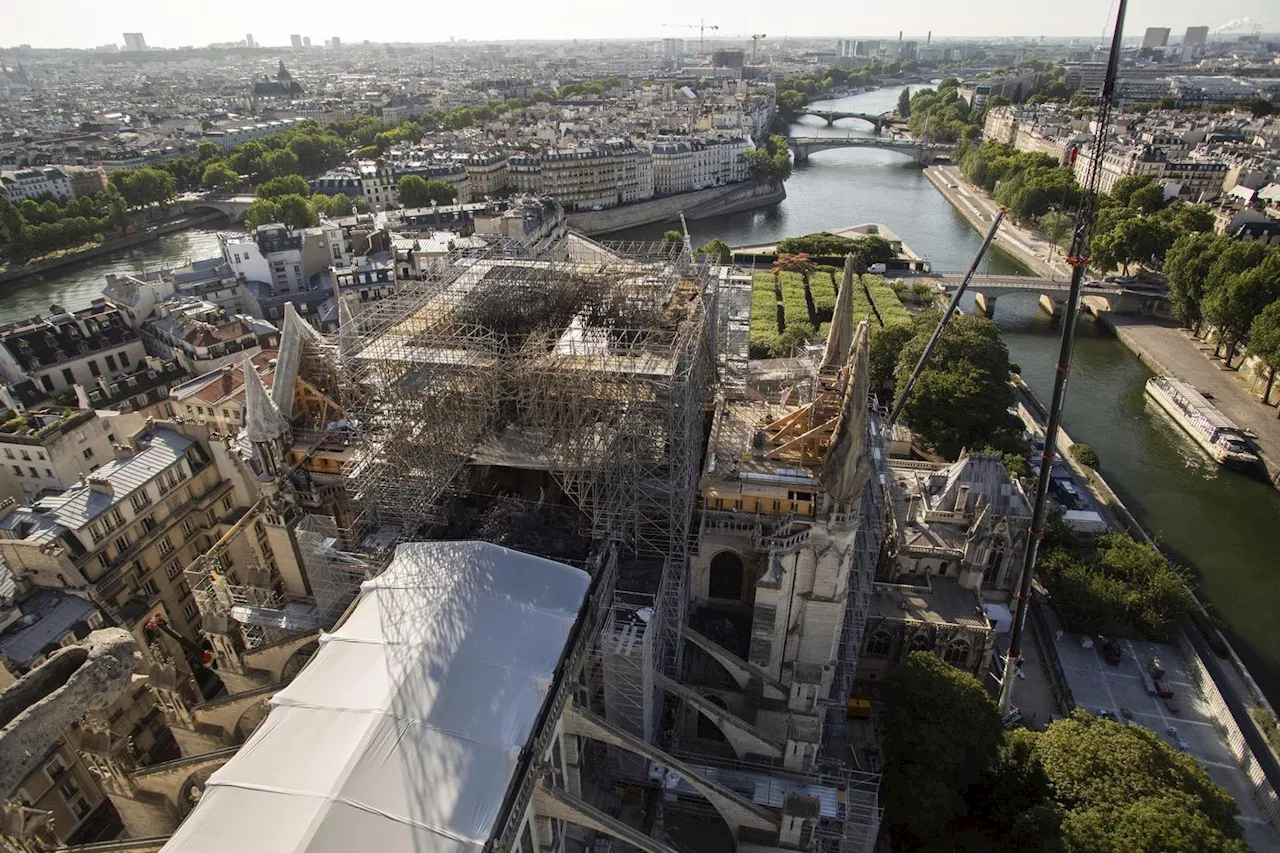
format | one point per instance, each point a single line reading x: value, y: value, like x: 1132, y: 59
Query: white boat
x: 1218, y: 436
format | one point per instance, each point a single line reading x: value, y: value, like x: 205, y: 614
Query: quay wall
x: 695, y: 205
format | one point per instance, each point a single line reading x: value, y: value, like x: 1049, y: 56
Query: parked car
x: 1163, y: 689
x: 1155, y: 668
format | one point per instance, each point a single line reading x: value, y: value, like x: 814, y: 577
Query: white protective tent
x: 404, y: 730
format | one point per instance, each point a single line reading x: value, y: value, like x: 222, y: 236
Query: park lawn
x: 765, y: 335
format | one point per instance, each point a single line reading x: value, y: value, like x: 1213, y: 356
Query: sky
x: 173, y: 23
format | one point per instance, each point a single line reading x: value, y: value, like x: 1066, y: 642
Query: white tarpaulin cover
x: 404, y: 730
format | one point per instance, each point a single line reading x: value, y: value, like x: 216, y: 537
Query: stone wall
x: 695, y: 205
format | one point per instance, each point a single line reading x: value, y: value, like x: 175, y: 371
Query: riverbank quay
x: 1027, y: 247
x: 700, y: 204
x: 1217, y: 727
x: 1168, y: 349
x: 128, y: 241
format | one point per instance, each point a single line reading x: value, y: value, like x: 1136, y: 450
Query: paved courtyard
x: 1097, y: 686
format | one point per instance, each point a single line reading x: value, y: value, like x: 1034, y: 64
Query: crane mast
x: 1078, y: 258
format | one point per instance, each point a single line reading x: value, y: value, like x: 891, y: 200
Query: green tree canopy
x: 1120, y: 784
x: 1186, y: 267
x: 1264, y: 342
x: 771, y: 162
x: 296, y: 211
x: 283, y: 185
x: 962, y: 398
x: 1243, y: 281
x: 672, y: 238
x: 904, y: 103
x: 941, y: 731
x: 218, y: 175
x: 145, y: 186
x: 718, y: 251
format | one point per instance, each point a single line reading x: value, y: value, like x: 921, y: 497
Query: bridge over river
x: 923, y: 152
x: 880, y: 122
x: 1096, y: 295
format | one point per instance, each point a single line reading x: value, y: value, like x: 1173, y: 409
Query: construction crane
x: 1078, y: 258
x: 755, y: 39
x: 702, y: 27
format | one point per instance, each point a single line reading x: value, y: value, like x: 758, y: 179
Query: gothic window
x: 879, y: 644
x: 726, y: 576
x: 995, y: 563
x: 921, y: 643
x: 957, y: 654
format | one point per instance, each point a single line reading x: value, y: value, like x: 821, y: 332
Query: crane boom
x: 702, y: 27
x: 1078, y: 258
x: 946, y: 318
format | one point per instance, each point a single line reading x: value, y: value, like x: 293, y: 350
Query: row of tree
x: 1234, y: 287
x: 945, y: 114
x: 956, y: 779
x: 33, y: 228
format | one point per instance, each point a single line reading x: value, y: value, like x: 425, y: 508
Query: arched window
x: 879, y: 644
x: 726, y: 576
x: 995, y: 563
x: 957, y: 654
x: 921, y: 643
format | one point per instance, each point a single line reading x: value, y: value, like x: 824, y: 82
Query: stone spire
x: 295, y: 334
x: 263, y: 421
x: 840, y: 335
x: 846, y: 466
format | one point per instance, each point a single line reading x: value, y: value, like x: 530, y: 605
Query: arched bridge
x: 233, y: 207
x: 1095, y: 296
x: 832, y: 116
x: 923, y: 152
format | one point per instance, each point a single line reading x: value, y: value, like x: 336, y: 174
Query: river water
x: 1222, y: 525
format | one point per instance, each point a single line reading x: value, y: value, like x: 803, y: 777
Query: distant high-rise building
x: 296, y: 41
x: 306, y: 41
x: 337, y: 42
x: 1155, y: 37
x: 1195, y: 37
x: 673, y: 47
x: 134, y: 41
x: 248, y: 40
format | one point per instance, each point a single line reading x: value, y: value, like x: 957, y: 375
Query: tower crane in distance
x: 702, y: 26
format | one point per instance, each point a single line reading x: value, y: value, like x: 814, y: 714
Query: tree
x: 1264, y: 342
x: 932, y: 758
x: 1259, y: 107
x: 1186, y: 266
x: 417, y: 192
x: 963, y: 396
x: 904, y: 103
x: 771, y: 162
x: 718, y: 251
x: 1013, y: 799
x: 1057, y: 226
x: 282, y: 186
x: 886, y: 344
x: 218, y: 175
x: 1123, y: 788
x: 296, y: 211
x: 264, y: 211
x: 1243, y: 281
x: 672, y: 238
x: 208, y: 151
x: 1124, y: 188
x: 145, y: 186
x: 1148, y: 199
x: 1186, y: 218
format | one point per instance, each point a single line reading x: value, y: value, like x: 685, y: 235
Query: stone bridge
x: 1096, y: 296
x: 880, y: 122
x: 923, y: 152
x: 233, y: 207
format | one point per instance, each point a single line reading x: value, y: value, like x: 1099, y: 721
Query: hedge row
x: 766, y: 337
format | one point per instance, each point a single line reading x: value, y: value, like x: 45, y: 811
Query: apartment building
x: 124, y: 535
x: 229, y: 137
x: 70, y: 349
x: 487, y: 174
x: 1198, y: 180
x: 36, y: 183
x: 199, y: 335
x: 217, y: 398
x: 50, y: 450
x: 600, y: 176
x: 685, y: 165
x: 286, y: 260
x: 65, y: 788
x: 524, y: 172
x: 210, y: 279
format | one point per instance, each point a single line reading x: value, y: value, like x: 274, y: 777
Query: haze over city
x: 167, y: 24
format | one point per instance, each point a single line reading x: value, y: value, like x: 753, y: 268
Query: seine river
x: 1222, y: 525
